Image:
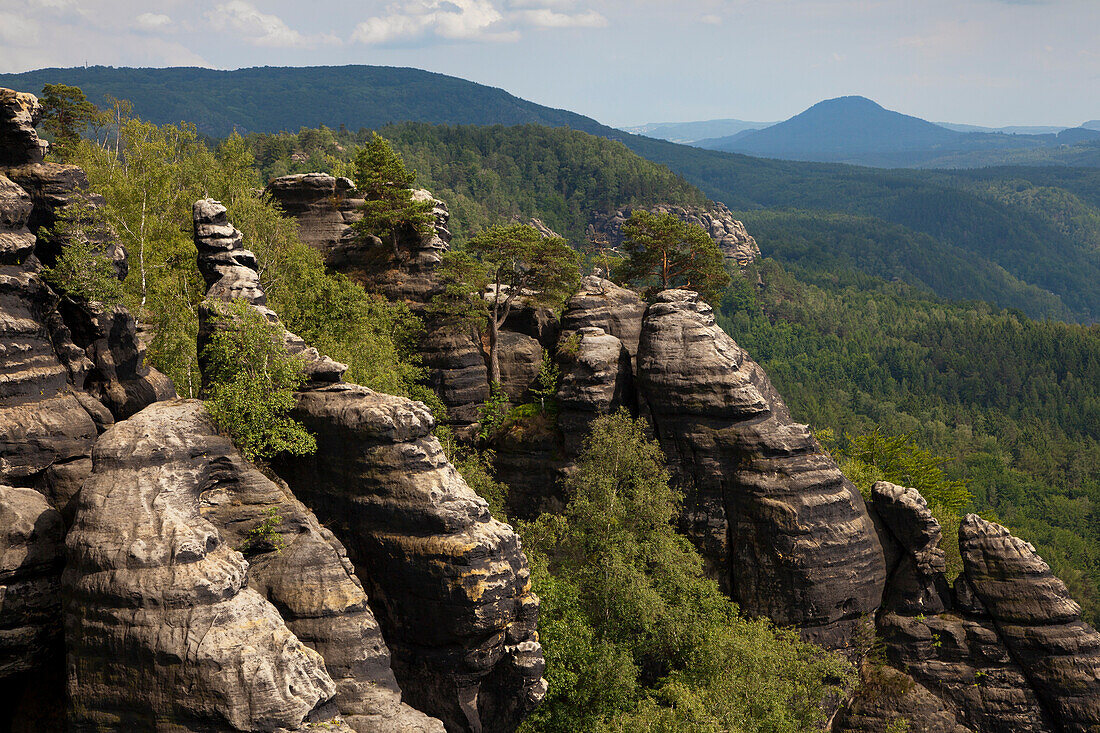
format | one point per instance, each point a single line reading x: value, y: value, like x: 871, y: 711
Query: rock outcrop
x: 161, y: 629
x: 1037, y: 620
x: 784, y: 532
x: 448, y: 583
x: 326, y: 207
x: 727, y: 232
x: 19, y: 143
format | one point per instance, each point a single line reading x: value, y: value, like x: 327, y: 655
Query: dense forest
x: 487, y: 173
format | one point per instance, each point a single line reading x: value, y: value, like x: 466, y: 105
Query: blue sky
x: 991, y: 62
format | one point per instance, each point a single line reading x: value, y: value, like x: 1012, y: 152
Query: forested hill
x: 273, y: 99
x: 558, y: 175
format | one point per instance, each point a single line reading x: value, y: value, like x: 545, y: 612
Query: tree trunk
x: 494, y: 357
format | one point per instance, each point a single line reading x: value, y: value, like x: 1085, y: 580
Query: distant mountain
x: 276, y: 99
x: 690, y: 132
x: 1091, y: 125
x: 857, y: 130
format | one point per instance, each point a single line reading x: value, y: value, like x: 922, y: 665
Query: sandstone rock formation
x: 603, y: 304
x: 727, y: 232
x: 31, y: 652
x: 162, y: 631
x: 1037, y: 620
x: 19, y: 143
x: 596, y: 380
x: 784, y: 531
x: 449, y: 584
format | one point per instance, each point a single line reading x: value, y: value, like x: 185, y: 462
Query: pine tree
x: 390, y: 207
x: 662, y: 252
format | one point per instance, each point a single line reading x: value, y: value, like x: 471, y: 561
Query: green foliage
x: 516, y: 261
x: 386, y: 184
x: 83, y: 271
x: 251, y: 384
x: 486, y: 174
x: 150, y: 181
x: 493, y: 413
x: 664, y: 252
x: 547, y: 381
x: 476, y: 468
x: 867, y: 459
x: 66, y: 112
x: 636, y: 637
x: 265, y: 535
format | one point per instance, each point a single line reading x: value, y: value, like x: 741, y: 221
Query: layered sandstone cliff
x: 448, y: 584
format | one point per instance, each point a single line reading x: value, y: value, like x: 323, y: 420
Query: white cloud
x: 153, y: 21
x: 547, y: 18
x: 483, y: 20
x: 261, y: 29
x: 711, y: 19
x: 17, y: 30
x: 454, y: 19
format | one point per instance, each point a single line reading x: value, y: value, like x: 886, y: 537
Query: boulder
x: 161, y: 628
x: 783, y: 531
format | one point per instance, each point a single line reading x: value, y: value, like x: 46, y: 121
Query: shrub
x: 251, y: 383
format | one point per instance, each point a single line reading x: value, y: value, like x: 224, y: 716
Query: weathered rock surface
x: 162, y: 631
x: 457, y: 370
x: 782, y: 529
x: 323, y: 205
x: 16, y: 240
x: 520, y: 360
x: 1037, y: 619
x: 19, y: 143
x: 915, y: 561
x: 887, y: 696
x: 595, y: 380
x: 31, y: 652
x: 448, y: 584
x: 603, y: 304
x: 727, y: 232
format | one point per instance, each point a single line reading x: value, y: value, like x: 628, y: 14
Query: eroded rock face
x: 19, y: 143
x: 1037, y: 619
x: 727, y: 232
x: 916, y: 583
x: 31, y: 653
x: 596, y: 380
x: 603, y: 304
x: 16, y: 240
x: 448, y: 584
x: 782, y: 529
x: 162, y: 631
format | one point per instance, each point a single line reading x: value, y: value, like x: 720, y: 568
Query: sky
x: 985, y: 62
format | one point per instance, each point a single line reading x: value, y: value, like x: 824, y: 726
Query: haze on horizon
x: 983, y: 62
